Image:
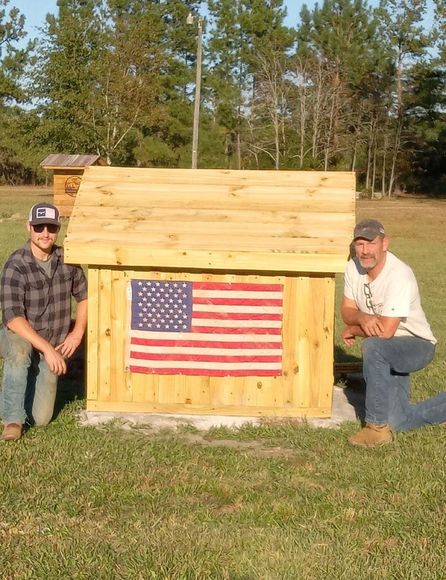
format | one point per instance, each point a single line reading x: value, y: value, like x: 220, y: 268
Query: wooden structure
x: 67, y: 175
x: 289, y: 229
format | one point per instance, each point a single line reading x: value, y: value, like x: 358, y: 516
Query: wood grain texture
x: 288, y: 227
x: 218, y: 219
x: 304, y: 388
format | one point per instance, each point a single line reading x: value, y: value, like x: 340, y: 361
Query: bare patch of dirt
x: 255, y: 447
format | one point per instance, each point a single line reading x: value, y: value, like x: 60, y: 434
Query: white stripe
x: 237, y: 323
x: 193, y: 336
x: 265, y: 295
x: 237, y: 308
x: 170, y: 364
x: 214, y: 351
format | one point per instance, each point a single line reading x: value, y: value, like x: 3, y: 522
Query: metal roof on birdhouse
x: 59, y: 161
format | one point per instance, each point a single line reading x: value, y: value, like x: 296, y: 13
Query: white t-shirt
x: 393, y: 293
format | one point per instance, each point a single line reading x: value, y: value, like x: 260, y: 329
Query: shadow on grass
x: 355, y: 395
x: 353, y: 382
x: 71, y: 387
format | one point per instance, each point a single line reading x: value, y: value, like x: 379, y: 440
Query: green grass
x: 284, y: 501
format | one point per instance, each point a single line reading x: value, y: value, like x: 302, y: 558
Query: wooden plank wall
x: 213, y: 219
x: 305, y: 389
x: 63, y: 200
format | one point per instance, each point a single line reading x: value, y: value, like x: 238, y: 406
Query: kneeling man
x: 382, y: 304
x: 36, y: 337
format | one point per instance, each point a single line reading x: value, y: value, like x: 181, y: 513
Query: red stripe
x: 205, y: 372
x: 238, y: 286
x: 204, y: 357
x: 236, y: 316
x: 238, y: 301
x: 239, y: 331
x: 204, y: 343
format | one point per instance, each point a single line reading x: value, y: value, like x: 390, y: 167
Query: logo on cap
x: 46, y: 212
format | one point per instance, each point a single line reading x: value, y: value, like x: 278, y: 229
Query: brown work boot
x: 11, y: 432
x: 372, y: 435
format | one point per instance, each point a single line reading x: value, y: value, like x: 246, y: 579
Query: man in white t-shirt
x: 382, y: 304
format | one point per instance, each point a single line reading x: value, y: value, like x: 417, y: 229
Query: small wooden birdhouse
x: 211, y: 291
x: 67, y: 175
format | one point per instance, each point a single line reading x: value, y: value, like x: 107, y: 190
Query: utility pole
x: 196, y: 123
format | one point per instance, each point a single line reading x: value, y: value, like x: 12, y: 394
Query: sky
x: 36, y: 10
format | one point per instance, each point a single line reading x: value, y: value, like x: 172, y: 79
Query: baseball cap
x: 369, y: 230
x: 44, y: 213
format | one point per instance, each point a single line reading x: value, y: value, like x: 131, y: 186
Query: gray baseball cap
x: 44, y: 213
x: 369, y: 230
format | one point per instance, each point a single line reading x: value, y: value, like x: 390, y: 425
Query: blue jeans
x: 28, y: 386
x: 386, y: 366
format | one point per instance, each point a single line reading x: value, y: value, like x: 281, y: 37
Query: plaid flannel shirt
x: 45, y: 302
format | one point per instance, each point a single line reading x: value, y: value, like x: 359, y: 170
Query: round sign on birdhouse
x: 72, y: 185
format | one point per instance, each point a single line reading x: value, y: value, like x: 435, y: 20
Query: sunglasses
x: 51, y: 228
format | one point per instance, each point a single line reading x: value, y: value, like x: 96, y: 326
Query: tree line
x: 351, y: 87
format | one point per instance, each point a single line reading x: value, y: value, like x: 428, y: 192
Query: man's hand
x: 69, y: 345
x: 348, y: 337
x: 371, y: 325
x: 55, y: 361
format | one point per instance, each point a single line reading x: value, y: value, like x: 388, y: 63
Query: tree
x: 65, y: 80
x: 338, y: 59
x: 13, y: 61
x: 100, y: 76
x: 401, y: 25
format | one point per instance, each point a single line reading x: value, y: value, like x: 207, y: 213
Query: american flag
x: 206, y: 328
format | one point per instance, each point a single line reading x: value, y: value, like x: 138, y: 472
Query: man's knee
x: 17, y: 351
x: 372, y: 346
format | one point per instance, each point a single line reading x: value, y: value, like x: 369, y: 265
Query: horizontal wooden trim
x: 141, y: 255
x: 112, y: 175
x: 245, y: 411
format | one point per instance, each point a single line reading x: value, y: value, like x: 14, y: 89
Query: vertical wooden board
x: 315, y: 302
x: 303, y: 323
x: 120, y: 384
x: 267, y: 392
x: 321, y: 389
x: 226, y: 391
x: 104, y: 350
x: 179, y: 390
x: 93, y: 334
x: 144, y: 388
x: 196, y: 390
x: 291, y: 370
x: 166, y: 389
x: 316, y: 342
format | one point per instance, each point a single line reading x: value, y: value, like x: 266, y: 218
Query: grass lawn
x: 283, y: 501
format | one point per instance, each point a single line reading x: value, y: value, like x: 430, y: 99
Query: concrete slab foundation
x: 348, y: 405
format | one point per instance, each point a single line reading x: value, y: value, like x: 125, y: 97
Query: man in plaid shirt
x: 36, y: 338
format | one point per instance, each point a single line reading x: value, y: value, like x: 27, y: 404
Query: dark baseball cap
x: 369, y: 230
x: 44, y: 213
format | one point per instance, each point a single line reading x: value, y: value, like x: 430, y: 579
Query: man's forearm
x: 22, y: 328
x: 352, y: 316
x: 81, y: 319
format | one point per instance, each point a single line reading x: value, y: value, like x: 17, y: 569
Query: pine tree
x: 13, y: 61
